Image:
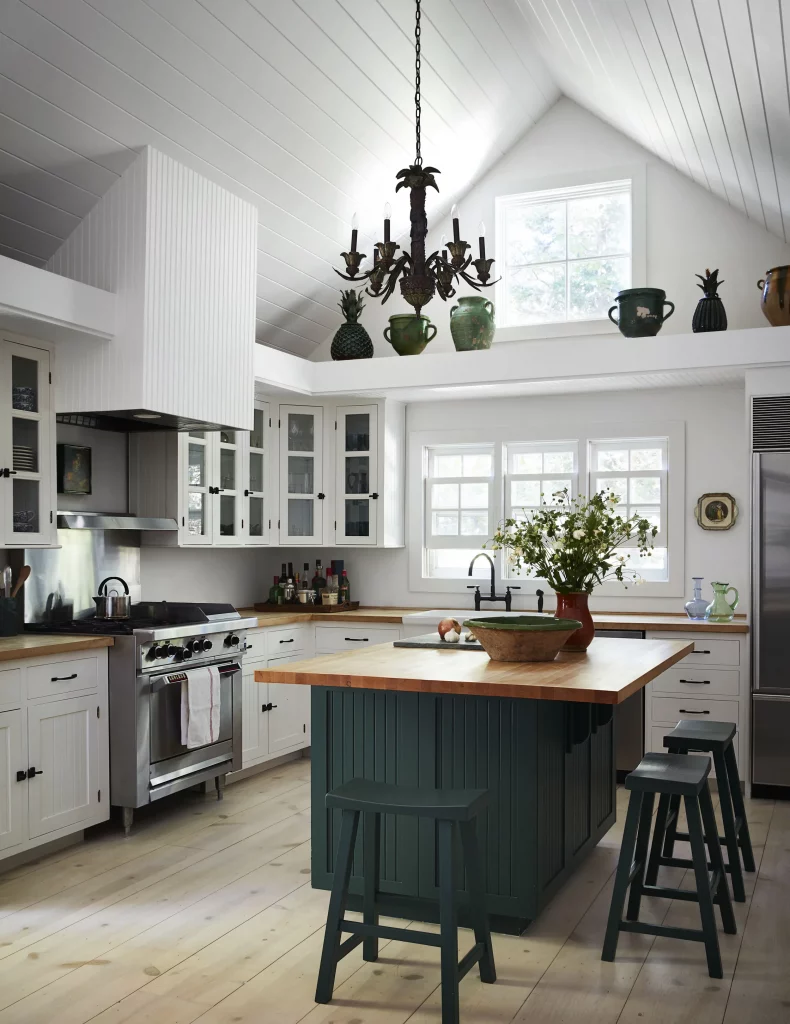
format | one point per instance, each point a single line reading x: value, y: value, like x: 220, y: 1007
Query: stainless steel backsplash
x: 64, y: 580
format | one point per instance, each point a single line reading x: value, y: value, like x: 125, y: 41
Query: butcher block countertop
x: 603, y: 620
x: 609, y: 672
x: 30, y: 645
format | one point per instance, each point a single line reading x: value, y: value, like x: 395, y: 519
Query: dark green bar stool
x: 674, y: 775
x: 713, y: 738
x: 450, y: 808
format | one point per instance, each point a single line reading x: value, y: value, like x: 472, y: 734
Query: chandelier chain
x: 417, y: 98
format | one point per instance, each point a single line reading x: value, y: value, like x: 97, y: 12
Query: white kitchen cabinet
x: 63, y: 751
x: 27, y: 446
x: 13, y: 790
x: 258, y: 509
x: 289, y: 711
x: 254, y: 723
x: 54, y: 750
x: 214, y: 483
x: 301, y: 519
x: 356, y: 474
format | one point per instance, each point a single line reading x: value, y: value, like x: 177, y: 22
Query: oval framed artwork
x: 716, y: 511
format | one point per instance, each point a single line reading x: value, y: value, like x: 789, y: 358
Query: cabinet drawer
x: 281, y: 642
x: 699, y: 682
x: 656, y: 744
x: 56, y: 678
x: 10, y: 687
x: 670, y: 710
x: 709, y: 650
x: 332, y: 638
x: 256, y: 645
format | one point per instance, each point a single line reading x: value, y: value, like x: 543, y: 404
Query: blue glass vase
x: 697, y: 607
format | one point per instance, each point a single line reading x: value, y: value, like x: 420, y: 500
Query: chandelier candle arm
x: 456, y: 224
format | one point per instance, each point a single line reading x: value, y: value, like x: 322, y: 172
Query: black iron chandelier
x: 420, y: 276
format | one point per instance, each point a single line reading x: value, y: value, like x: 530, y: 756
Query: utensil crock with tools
x: 110, y: 604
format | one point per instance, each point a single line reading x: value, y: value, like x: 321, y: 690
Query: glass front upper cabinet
x: 197, y: 520
x: 257, y: 513
x: 301, y: 478
x: 26, y: 491
x: 357, y: 474
x: 227, y: 490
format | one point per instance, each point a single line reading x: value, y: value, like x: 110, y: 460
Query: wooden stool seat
x: 700, y: 735
x: 669, y: 773
x: 386, y: 798
x: 452, y: 810
x: 671, y: 777
x: 716, y: 739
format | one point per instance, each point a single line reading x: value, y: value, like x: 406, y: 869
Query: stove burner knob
x: 193, y: 646
x: 186, y: 653
x: 206, y: 645
x: 177, y: 652
x: 231, y: 640
x: 161, y: 652
x: 151, y: 653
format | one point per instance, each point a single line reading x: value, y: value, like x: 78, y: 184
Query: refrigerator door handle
x: 756, y: 567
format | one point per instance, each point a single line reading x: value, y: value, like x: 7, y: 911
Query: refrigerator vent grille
x: 771, y: 424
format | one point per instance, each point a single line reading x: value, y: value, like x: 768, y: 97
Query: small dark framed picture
x: 716, y: 511
x: 74, y: 469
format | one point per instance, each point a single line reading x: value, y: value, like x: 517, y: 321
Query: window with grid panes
x: 534, y: 473
x: 459, y: 508
x: 636, y: 470
x: 563, y: 253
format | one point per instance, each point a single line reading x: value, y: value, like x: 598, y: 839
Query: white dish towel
x: 200, y: 707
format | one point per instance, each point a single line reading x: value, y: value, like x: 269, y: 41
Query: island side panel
x: 549, y: 767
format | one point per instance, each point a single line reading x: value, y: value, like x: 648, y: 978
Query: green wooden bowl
x: 522, y: 637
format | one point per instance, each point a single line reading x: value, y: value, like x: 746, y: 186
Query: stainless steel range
x: 153, y: 655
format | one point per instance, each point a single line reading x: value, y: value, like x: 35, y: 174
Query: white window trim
x: 568, y: 329
x: 502, y: 433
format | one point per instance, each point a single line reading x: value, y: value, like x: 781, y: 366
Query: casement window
x: 636, y: 470
x: 459, y: 507
x: 563, y: 253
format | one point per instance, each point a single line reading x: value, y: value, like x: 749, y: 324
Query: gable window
x: 563, y: 253
x: 636, y: 471
x: 459, y: 509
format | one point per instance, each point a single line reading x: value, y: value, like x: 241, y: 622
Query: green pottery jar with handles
x: 409, y: 334
x: 720, y: 609
x: 472, y: 323
x: 641, y: 311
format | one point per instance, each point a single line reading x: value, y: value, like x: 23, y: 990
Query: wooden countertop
x: 608, y: 673
x: 603, y: 620
x: 31, y: 645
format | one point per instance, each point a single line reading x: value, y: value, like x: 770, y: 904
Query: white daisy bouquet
x: 574, y: 543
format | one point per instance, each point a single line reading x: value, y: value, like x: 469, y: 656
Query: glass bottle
x: 344, y: 588
x: 305, y: 584
x: 273, y: 590
x: 319, y: 582
x: 331, y: 581
x: 697, y: 607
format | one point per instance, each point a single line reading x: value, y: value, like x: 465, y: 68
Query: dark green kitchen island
x: 539, y: 736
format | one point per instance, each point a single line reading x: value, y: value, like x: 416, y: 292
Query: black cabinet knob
x: 374, y: 495
x: 321, y: 497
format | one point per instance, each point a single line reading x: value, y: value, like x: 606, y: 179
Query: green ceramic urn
x: 472, y: 323
x: 641, y: 311
x: 409, y: 334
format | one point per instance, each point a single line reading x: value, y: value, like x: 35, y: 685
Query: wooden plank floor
x: 205, y: 913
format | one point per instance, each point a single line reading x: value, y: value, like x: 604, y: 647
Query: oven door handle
x: 176, y: 678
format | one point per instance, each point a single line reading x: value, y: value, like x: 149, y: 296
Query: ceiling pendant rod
x: 420, y: 276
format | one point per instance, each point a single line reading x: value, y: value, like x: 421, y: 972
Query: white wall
x: 688, y: 228
x: 176, y: 574
x: 716, y: 460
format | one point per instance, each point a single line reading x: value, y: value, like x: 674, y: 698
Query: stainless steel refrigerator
x: 771, y: 618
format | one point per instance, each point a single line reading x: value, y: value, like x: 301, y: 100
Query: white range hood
x: 179, y: 252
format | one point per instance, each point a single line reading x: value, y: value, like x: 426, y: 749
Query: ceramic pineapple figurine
x: 351, y: 340
x: 709, y: 314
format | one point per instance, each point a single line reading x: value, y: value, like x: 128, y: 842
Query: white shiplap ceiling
x: 701, y: 83
x: 305, y: 107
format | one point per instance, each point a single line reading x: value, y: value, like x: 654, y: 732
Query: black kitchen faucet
x: 493, y: 595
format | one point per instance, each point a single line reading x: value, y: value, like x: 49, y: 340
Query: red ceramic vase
x: 575, y: 606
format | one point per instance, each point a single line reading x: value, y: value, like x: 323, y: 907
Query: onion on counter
x: 447, y: 625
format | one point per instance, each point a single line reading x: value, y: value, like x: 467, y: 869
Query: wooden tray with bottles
x: 307, y: 609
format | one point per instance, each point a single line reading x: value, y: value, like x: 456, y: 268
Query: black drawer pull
x: 287, y: 641
x: 684, y: 712
x: 268, y: 707
x: 63, y: 679
x: 357, y: 639
x: 696, y: 682
x: 699, y: 652
x: 32, y: 771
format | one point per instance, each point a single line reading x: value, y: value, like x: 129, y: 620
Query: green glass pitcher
x: 720, y: 609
